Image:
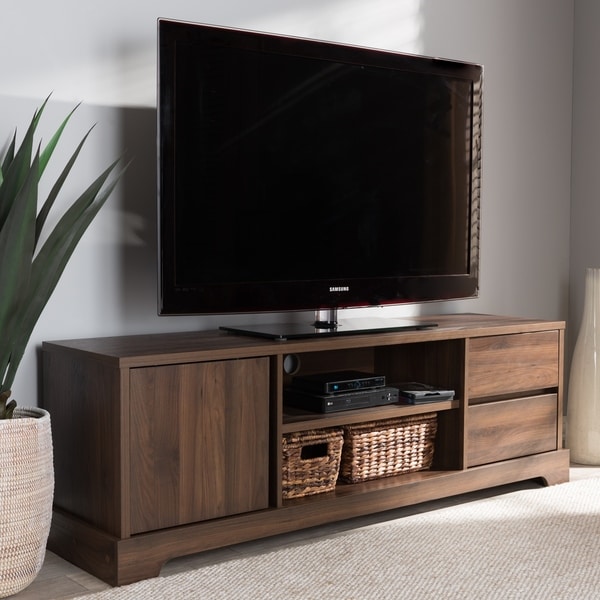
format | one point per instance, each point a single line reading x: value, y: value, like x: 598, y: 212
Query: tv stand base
x: 123, y: 561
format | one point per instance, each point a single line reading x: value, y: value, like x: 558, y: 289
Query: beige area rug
x: 535, y: 543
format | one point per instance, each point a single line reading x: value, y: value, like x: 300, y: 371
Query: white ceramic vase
x: 583, y: 402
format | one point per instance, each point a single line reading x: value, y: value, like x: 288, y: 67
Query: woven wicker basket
x: 311, y: 461
x: 26, y: 492
x: 385, y: 448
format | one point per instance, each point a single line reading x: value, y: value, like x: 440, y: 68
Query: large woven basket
x: 26, y: 493
x: 385, y: 448
x: 311, y: 461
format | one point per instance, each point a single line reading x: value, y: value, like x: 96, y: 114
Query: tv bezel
x: 285, y: 296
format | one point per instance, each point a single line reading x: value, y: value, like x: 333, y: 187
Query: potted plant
x: 32, y: 261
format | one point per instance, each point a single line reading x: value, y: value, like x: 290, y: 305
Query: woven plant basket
x: 26, y: 493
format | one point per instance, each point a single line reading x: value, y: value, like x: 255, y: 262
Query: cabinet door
x: 199, y: 441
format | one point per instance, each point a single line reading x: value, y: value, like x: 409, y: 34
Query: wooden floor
x: 60, y: 580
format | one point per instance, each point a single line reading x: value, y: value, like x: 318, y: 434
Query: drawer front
x: 511, y: 428
x: 507, y: 364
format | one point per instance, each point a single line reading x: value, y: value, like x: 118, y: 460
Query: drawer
x: 511, y: 428
x: 506, y: 364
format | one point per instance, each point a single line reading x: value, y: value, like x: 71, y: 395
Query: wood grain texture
x: 170, y: 444
x: 89, y: 406
x: 199, y: 442
x: 511, y: 428
x: 505, y: 364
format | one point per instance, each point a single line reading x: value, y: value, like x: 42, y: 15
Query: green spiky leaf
x: 28, y: 274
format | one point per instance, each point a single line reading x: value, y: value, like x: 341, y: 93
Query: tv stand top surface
x: 167, y: 348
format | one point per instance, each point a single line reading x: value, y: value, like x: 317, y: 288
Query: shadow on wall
x: 138, y: 235
x: 137, y: 257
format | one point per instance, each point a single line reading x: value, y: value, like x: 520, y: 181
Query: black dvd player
x: 338, y: 382
x: 326, y: 403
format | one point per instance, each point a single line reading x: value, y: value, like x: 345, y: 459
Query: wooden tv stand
x: 170, y: 444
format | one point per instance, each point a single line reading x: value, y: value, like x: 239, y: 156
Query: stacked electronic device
x: 347, y: 390
x: 341, y: 390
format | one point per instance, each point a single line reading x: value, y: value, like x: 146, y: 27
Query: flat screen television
x: 298, y: 174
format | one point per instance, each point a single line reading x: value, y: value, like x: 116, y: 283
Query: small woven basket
x: 385, y: 448
x: 26, y: 493
x: 311, y: 461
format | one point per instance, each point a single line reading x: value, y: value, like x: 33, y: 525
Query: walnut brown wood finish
x: 170, y: 444
x: 494, y: 434
x: 513, y: 363
x: 199, y: 442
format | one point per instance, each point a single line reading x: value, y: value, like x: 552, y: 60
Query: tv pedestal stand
x: 171, y: 444
x: 326, y: 324
x: 326, y: 318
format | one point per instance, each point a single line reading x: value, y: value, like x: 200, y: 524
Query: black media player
x: 338, y: 382
x: 327, y: 403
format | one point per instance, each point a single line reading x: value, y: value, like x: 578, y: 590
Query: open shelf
x: 365, y: 487
x: 295, y: 420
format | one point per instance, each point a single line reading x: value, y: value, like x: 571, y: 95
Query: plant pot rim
x: 27, y: 412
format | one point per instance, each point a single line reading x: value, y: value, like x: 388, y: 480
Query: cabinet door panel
x: 199, y: 441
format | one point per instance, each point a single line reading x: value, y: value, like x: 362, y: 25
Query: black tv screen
x: 298, y: 174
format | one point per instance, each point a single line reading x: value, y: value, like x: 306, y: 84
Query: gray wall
x: 104, y: 54
x: 585, y: 186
